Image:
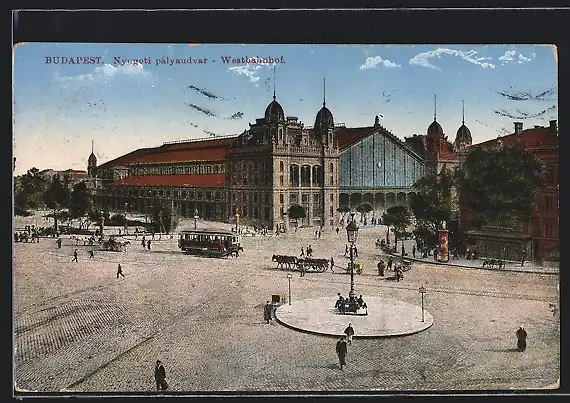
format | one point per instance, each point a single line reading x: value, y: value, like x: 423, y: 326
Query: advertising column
x: 443, y: 246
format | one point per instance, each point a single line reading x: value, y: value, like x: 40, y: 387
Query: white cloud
x: 372, y: 62
x: 109, y: 71
x: 247, y: 70
x: 508, y: 56
x: 512, y: 55
x: 422, y: 59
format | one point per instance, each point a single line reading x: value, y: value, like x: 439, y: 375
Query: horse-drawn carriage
x: 115, y: 246
x: 295, y: 263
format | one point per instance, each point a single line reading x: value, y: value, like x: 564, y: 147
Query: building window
x: 199, y: 195
x: 255, y: 197
x: 281, y: 180
x: 317, y: 175
x: 266, y: 212
x: 550, y: 204
x: 267, y: 198
x: 332, y: 198
x: 184, y: 194
x: 294, y: 175
x: 281, y: 166
x: 218, y: 196
x: 549, y: 231
x: 255, y: 212
x: 305, y: 176
x: 293, y: 198
x: 331, y: 211
x: 244, y: 198
x: 331, y: 168
x: 191, y: 194
x: 281, y: 198
x: 208, y: 195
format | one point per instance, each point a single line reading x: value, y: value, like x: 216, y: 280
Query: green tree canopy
x: 80, y: 200
x: 297, y: 212
x: 431, y: 204
x: 29, y: 190
x: 398, y: 217
x: 163, y: 219
x: 500, y: 185
x: 344, y: 210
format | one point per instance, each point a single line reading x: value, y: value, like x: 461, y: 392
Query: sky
x: 128, y: 96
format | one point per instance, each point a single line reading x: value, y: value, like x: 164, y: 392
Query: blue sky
x: 60, y: 108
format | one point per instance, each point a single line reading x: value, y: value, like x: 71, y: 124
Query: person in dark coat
x: 349, y: 331
x: 120, y: 271
x: 267, y: 312
x: 91, y: 255
x: 74, y: 256
x: 160, y: 376
x: 59, y: 243
x: 521, y: 339
x: 332, y: 264
x: 148, y: 244
x: 341, y: 351
x: 414, y: 251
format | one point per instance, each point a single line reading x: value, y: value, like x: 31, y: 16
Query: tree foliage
x: 344, y: 210
x: 80, y: 200
x: 29, y: 190
x: 500, y: 185
x: 163, y: 219
x: 364, y: 208
x: 398, y: 217
x: 431, y: 204
x: 297, y: 212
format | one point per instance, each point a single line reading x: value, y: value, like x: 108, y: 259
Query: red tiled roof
x: 345, y: 137
x: 527, y: 137
x: 75, y: 171
x: 173, y: 180
x: 205, y: 150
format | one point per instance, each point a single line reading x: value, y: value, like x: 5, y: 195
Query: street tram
x: 209, y: 242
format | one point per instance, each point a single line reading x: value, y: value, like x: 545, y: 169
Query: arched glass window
x: 281, y: 166
x: 317, y: 175
x: 305, y: 176
x: 294, y: 175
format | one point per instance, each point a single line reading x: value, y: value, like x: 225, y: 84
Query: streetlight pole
x: 126, y: 220
x: 352, y: 233
x: 289, y: 276
x: 422, y: 291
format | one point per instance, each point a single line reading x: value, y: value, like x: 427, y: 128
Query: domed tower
x: 92, y: 164
x: 324, y: 124
x: 463, y: 138
x: 435, y: 135
x: 275, y: 121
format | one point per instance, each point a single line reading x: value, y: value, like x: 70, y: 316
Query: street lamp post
x: 289, y: 276
x: 237, y: 223
x: 422, y: 291
x: 126, y: 220
x: 352, y: 234
x: 195, y: 217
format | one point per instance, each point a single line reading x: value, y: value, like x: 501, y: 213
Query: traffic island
x: 386, y: 318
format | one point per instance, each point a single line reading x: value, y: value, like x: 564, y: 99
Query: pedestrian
x: 521, y: 339
x: 58, y: 243
x: 143, y: 242
x: 120, y: 271
x: 390, y: 263
x: 349, y: 331
x: 316, y: 234
x: 355, y: 251
x: 160, y: 376
x: 74, y: 256
x: 403, y: 250
x: 302, y: 251
x: 148, y: 244
x: 91, y: 255
x: 414, y: 251
x: 337, y: 230
x: 267, y: 312
x: 523, y: 256
x: 319, y: 234
x: 435, y: 255
x: 332, y: 264
x: 303, y: 270
x: 455, y: 257
x: 119, y: 232
x: 345, y: 250
x: 341, y: 351
x: 381, y: 267
x: 309, y: 251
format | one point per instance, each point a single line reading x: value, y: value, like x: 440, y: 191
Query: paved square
x: 78, y: 327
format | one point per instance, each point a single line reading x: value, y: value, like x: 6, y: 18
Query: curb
x: 478, y: 267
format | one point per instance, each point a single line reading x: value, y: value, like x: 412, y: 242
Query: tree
x: 29, y: 190
x: 56, y: 198
x: 163, y: 219
x: 398, y: 217
x: 80, y: 202
x: 364, y: 209
x: 431, y: 205
x: 297, y: 212
x: 500, y: 185
x: 344, y: 210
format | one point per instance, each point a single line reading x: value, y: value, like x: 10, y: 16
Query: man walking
x: 521, y: 339
x: 148, y: 244
x: 267, y: 312
x: 58, y: 243
x: 349, y: 331
x: 414, y: 251
x: 332, y: 264
x: 74, y: 256
x: 160, y: 376
x: 341, y: 351
x: 120, y: 271
x: 91, y: 255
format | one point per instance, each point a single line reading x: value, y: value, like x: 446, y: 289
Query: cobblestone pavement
x: 78, y: 327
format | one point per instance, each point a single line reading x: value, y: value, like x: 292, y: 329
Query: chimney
x: 518, y: 127
x: 377, y: 122
x: 553, y: 127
